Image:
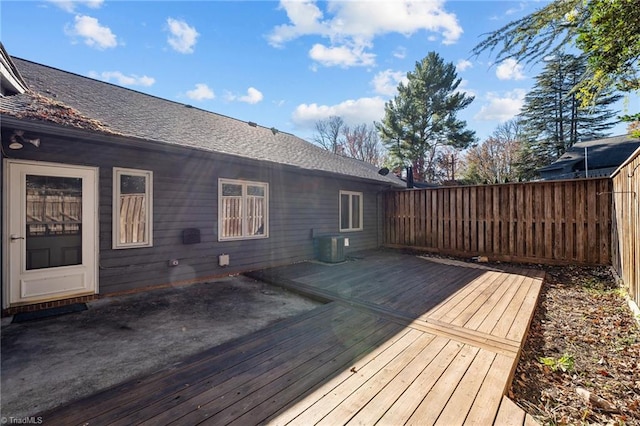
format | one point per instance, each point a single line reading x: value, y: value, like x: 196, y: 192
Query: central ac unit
x: 331, y: 249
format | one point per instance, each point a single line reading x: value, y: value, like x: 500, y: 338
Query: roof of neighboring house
x: 603, y: 157
x: 72, y: 100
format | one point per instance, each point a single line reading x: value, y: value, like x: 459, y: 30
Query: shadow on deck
x: 401, y: 340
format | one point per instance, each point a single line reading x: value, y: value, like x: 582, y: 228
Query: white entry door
x: 51, y: 231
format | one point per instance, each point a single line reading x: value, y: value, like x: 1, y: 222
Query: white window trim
x: 148, y: 175
x: 244, y: 184
x: 350, y: 194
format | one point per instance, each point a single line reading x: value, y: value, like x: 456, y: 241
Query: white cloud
x: 304, y: 16
x: 201, y: 92
x: 517, y: 9
x: 463, y: 64
x: 253, y: 96
x: 94, y: 34
x: 502, y: 108
x: 356, y: 24
x: 386, y: 82
x: 123, y: 80
x: 400, y: 52
x: 353, y: 112
x: 510, y: 69
x: 70, y: 5
x: 183, y: 36
x: 341, y: 56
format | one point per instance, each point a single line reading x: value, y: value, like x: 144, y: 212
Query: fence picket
x: 546, y: 222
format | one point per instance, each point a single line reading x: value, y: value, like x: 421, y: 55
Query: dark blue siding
x: 302, y: 205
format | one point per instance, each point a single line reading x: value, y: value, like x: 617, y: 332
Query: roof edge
x: 11, y: 77
x: 632, y: 157
x: 59, y: 130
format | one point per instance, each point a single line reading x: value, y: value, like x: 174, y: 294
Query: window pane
x: 355, y: 211
x: 344, y: 211
x: 243, y: 210
x: 53, y: 221
x: 231, y: 190
x: 133, y: 215
x: 255, y: 216
x: 132, y: 184
x: 257, y: 191
x: 231, y: 217
x: 132, y: 208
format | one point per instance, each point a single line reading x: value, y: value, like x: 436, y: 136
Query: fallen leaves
x: 596, y: 401
x: 582, y: 322
x: 39, y: 107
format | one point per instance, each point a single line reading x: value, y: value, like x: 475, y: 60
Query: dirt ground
x: 49, y: 362
x: 581, y: 361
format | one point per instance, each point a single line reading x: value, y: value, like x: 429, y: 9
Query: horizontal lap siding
x: 558, y: 221
x: 185, y: 195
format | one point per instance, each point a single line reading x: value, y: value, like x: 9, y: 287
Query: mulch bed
x: 581, y: 360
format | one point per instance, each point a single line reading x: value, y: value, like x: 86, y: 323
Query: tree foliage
x: 607, y: 31
x: 448, y: 161
x: 360, y: 142
x: 552, y: 117
x: 422, y: 117
x: 494, y: 160
x: 545, y: 32
x: 329, y: 133
x: 610, y: 38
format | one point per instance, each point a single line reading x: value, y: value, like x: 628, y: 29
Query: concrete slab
x: 48, y: 362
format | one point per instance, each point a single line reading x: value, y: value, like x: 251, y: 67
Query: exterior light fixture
x: 17, y: 140
x: 15, y: 144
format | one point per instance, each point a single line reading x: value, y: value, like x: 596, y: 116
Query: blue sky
x: 281, y: 64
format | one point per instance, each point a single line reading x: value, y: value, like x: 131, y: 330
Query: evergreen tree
x: 422, y: 117
x: 553, y: 117
x: 607, y: 32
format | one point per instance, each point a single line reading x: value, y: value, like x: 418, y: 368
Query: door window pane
x: 53, y: 221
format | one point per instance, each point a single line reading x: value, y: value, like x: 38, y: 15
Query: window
x: 242, y: 210
x: 132, y: 208
x: 350, y: 211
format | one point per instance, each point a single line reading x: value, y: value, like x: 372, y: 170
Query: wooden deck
x: 401, y: 340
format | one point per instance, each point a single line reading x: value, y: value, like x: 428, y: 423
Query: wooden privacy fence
x: 626, y: 225
x: 543, y: 222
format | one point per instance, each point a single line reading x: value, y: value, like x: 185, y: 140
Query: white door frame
x: 72, y: 281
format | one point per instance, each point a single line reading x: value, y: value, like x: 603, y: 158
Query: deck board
x: 509, y: 414
x: 388, y: 396
x: 401, y: 340
x: 370, y: 385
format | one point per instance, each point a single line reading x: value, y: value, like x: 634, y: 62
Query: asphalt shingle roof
x: 601, y: 153
x: 117, y: 110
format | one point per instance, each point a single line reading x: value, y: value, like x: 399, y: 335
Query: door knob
x: 16, y: 237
